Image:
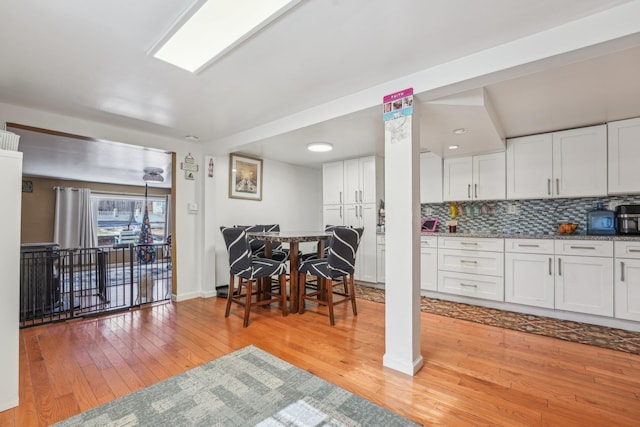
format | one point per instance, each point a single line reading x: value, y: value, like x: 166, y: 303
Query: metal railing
x: 62, y: 284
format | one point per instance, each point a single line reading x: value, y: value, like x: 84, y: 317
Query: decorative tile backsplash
x: 540, y: 216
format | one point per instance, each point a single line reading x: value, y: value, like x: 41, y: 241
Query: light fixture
x: 192, y: 138
x: 453, y: 147
x: 215, y: 28
x: 153, y: 175
x: 460, y: 131
x: 319, y: 147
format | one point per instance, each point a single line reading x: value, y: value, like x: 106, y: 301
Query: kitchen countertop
x: 537, y: 236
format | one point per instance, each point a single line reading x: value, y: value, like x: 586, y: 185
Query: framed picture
x: 245, y: 177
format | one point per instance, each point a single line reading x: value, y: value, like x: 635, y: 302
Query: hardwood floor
x: 473, y: 375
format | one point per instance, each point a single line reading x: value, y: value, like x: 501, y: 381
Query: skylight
x: 217, y: 27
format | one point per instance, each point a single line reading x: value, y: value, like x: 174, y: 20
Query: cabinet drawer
x: 489, y: 263
x: 493, y: 245
x: 428, y: 241
x: 529, y: 246
x: 584, y: 247
x: 486, y: 287
x: 627, y: 249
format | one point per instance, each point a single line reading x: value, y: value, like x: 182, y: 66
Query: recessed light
x: 460, y: 131
x: 453, y: 147
x: 319, y: 147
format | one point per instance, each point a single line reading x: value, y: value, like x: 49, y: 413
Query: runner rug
x: 248, y: 387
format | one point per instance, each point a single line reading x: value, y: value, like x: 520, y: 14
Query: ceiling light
x: 215, y: 28
x: 320, y: 146
x: 453, y: 147
x: 192, y: 138
x: 460, y: 131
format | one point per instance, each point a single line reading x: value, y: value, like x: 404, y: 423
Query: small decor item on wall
x: 245, y: 177
x: 27, y: 186
x: 211, y: 168
x: 189, y: 175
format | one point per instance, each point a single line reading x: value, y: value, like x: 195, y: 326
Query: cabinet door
x: 367, y: 180
x: 624, y: 152
x: 627, y: 280
x: 333, y: 215
x: 580, y: 162
x: 332, y: 183
x: 351, y: 181
x: 457, y: 179
x: 528, y: 279
x: 488, y: 177
x: 380, y: 264
x: 366, y: 269
x: 430, y: 178
x: 584, y: 284
x: 428, y: 268
x: 529, y: 167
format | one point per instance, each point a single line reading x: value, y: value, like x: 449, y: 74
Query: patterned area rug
x: 601, y: 336
x: 248, y: 387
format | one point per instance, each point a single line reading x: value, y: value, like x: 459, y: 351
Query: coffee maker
x: 627, y: 217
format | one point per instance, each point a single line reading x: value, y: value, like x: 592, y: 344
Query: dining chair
x: 258, y: 247
x: 250, y: 270
x: 339, y: 264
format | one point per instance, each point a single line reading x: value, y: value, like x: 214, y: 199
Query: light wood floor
x: 473, y: 375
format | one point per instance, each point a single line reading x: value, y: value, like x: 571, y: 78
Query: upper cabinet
x: 474, y: 178
x: 332, y: 183
x: 571, y: 163
x: 624, y: 152
x: 430, y: 178
x: 360, y: 180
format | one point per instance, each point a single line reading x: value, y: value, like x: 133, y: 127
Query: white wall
x: 291, y: 197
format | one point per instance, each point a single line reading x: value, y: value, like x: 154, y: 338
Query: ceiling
x: 89, y: 59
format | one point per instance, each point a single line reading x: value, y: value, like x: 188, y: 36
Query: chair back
x: 258, y: 246
x: 239, y: 251
x: 342, y: 250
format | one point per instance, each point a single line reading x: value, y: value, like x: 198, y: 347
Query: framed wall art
x: 245, y: 177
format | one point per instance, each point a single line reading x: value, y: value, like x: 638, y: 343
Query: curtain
x: 74, y: 225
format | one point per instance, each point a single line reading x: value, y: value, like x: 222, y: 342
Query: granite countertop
x: 537, y: 236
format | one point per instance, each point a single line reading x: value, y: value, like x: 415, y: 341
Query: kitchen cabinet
x: 360, y: 180
x: 584, y: 276
x: 529, y: 272
x: 624, y: 152
x: 333, y: 215
x: 428, y: 263
x: 627, y: 280
x: 430, y: 178
x: 380, y: 255
x: 364, y: 215
x: 474, y: 177
x: 332, y: 183
x: 471, y: 267
x: 570, y: 163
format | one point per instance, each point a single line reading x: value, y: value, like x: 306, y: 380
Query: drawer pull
x: 469, y: 243
x: 634, y: 250
x: 549, y: 186
x: 468, y: 285
x: 559, y: 266
x: 622, y: 271
x: 583, y: 247
x: 528, y: 246
x: 468, y: 262
x: 550, y: 266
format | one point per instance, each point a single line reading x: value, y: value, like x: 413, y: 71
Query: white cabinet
x: 430, y: 178
x: 569, y: 163
x: 429, y: 263
x: 360, y: 180
x: 529, y: 272
x: 624, y: 152
x: 380, y: 264
x: 332, y: 183
x: 364, y: 215
x: 474, y: 178
x: 627, y: 280
x: 471, y: 267
x: 10, y: 176
x: 333, y: 215
x: 584, y: 276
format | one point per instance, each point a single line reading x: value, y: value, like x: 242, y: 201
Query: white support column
x: 402, y: 244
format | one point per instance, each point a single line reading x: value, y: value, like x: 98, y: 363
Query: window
x: 119, y: 217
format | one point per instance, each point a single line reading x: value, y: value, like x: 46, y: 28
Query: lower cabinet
x: 529, y: 272
x: 471, y: 285
x: 429, y: 263
x: 364, y: 215
x: 584, y: 283
x: 380, y: 264
x: 627, y: 280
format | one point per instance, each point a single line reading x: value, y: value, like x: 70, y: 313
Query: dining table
x: 293, y: 238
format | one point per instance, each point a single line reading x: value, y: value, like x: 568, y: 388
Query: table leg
x: 268, y: 252
x: 293, y: 277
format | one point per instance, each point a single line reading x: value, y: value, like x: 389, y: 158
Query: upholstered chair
x: 339, y: 264
x: 249, y: 271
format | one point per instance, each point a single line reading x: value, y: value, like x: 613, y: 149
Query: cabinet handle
x: 341, y: 197
x: 621, y: 271
x: 557, y: 186
x: 468, y: 285
x: 469, y: 191
x: 592, y: 248
x: 467, y: 261
x: 469, y: 243
x: 559, y: 267
x: 475, y: 190
x: 634, y: 250
x: 549, y: 186
x: 360, y: 196
x: 355, y: 198
x: 340, y: 212
x: 360, y: 211
x: 522, y: 245
x: 550, y: 266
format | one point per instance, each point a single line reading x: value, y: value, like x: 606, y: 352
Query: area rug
x: 248, y: 387
x: 583, y: 333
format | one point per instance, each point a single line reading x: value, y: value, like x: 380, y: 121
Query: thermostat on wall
x: 192, y: 207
